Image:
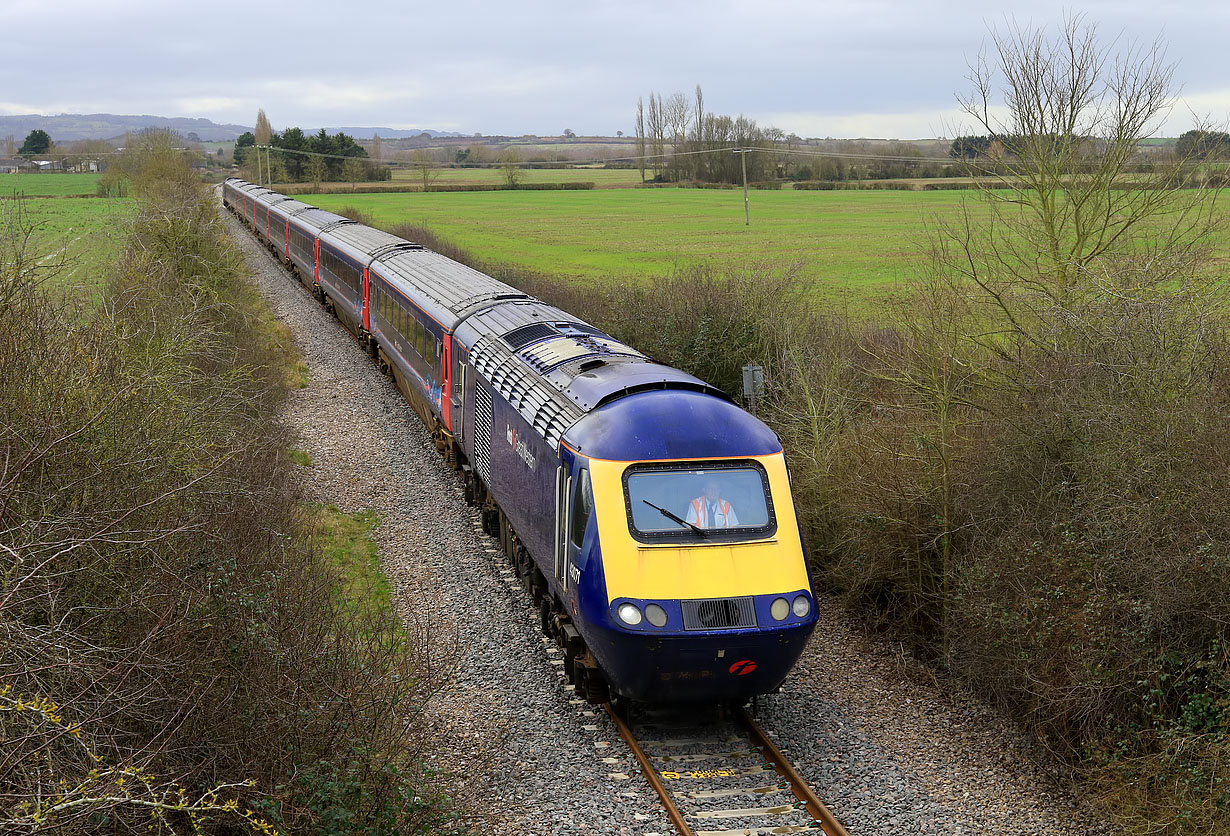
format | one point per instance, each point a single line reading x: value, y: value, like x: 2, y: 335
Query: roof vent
x: 526, y: 334
x: 590, y: 365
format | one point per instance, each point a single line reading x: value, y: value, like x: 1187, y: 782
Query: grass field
x: 848, y: 243
x: 48, y: 184
x: 92, y: 232
x: 600, y: 177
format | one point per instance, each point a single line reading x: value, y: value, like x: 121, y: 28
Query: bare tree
x: 1074, y: 249
x: 676, y: 116
x: 1067, y: 188
x: 425, y: 164
x: 377, y: 149
x: 656, y: 127
x: 698, y: 112
x: 640, y: 136
x: 510, y: 167
x: 353, y: 171
x: 315, y: 169
x: 10, y: 146
x: 263, y: 131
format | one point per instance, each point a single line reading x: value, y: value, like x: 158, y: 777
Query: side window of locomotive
x: 582, y: 507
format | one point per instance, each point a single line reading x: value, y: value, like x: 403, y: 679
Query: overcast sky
x: 844, y: 69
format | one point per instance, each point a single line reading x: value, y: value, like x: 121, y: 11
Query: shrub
x: 157, y: 583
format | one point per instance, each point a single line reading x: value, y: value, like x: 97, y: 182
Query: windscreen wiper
x: 671, y: 516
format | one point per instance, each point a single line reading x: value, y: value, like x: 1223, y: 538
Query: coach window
x: 582, y: 507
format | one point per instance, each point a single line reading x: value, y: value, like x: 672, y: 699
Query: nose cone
x: 671, y: 424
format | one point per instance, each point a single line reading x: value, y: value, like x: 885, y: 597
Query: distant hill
x: 69, y: 126
x: 65, y: 127
x: 385, y: 133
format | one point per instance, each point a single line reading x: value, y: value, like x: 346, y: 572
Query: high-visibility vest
x: 700, y: 510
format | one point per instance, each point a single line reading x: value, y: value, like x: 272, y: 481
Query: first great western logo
x: 520, y: 448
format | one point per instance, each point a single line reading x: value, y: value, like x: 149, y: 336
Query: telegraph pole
x: 742, y: 152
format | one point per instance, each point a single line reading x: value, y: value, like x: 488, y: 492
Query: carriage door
x: 458, y: 395
x: 563, y: 486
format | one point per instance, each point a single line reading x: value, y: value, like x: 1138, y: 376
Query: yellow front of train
x: 696, y: 586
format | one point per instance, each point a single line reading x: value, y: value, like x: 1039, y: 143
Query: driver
x: 710, y: 510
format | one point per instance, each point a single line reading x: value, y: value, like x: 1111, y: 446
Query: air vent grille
x: 482, y: 431
x: 526, y: 334
x: 718, y: 613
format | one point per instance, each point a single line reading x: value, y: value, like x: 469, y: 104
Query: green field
x: 846, y: 242
x: 600, y: 177
x: 48, y: 184
x: 92, y: 232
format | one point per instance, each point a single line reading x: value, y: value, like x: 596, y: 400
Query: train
x: 648, y: 514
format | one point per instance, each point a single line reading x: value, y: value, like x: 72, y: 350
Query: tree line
x: 678, y: 141
x: 1197, y: 144
x: 296, y: 157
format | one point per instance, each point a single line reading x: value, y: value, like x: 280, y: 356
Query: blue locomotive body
x: 649, y: 515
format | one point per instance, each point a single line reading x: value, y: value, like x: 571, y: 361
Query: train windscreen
x: 730, y: 501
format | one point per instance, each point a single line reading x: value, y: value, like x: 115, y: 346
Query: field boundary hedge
x: 444, y: 187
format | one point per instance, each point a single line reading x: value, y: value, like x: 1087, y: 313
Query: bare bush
x: 169, y: 643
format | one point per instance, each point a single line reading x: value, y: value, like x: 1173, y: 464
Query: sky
x: 875, y: 68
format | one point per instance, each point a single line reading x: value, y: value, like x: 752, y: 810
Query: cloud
x: 904, y: 125
x: 839, y: 68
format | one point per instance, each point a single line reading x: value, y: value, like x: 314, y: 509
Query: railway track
x: 714, y: 769
x: 718, y: 774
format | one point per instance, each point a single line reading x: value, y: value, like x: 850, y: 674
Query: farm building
x: 14, y: 165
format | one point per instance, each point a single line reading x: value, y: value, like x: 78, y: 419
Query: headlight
x: 780, y: 609
x: 629, y: 614
x: 802, y: 606
x: 655, y: 614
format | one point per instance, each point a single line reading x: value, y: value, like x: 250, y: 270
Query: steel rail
x: 651, y: 774
x: 768, y: 750
x: 815, y: 807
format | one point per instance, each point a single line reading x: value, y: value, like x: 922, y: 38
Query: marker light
x: 656, y: 615
x: 629, y: 614
x: 779, y: 609
x: 802, y: 606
